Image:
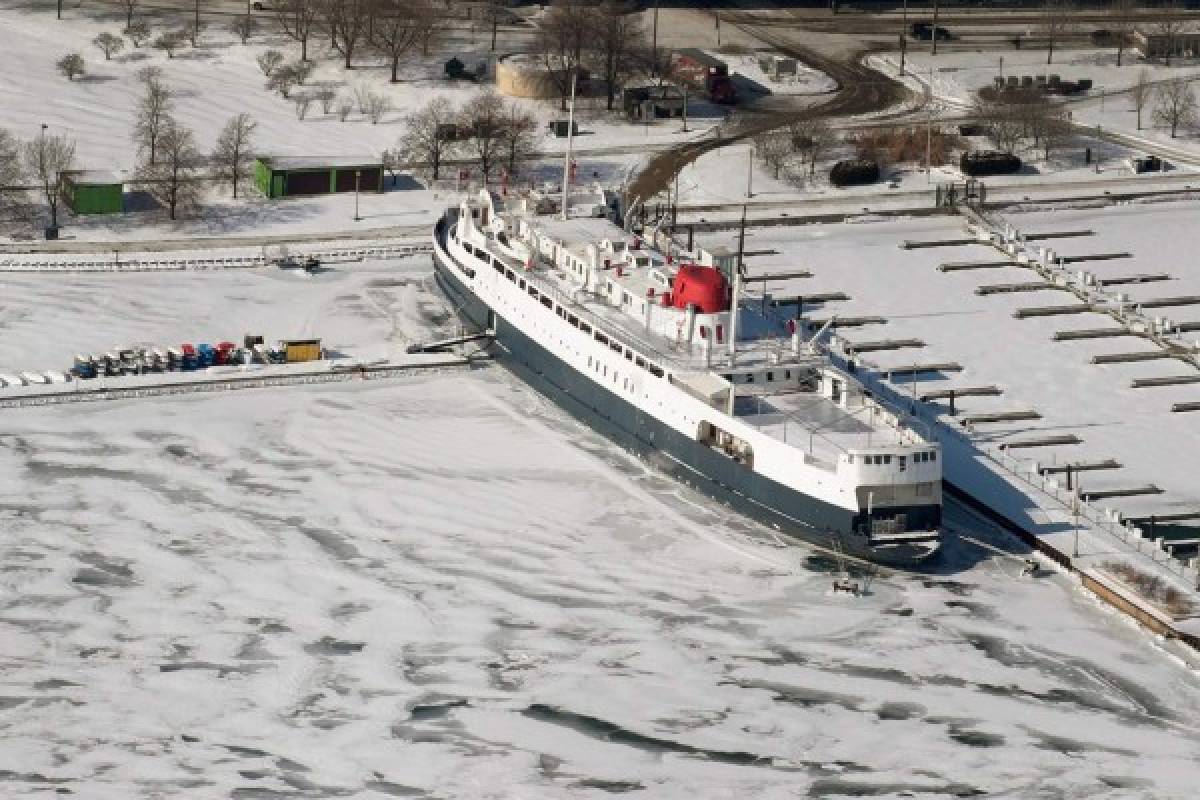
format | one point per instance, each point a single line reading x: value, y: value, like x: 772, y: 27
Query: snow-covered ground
x: 443, y: 587
x: 220, y: 78
x: 1133, y: 426
x: 957, y: 76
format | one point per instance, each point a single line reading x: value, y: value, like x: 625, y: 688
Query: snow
x: 443, y: 585
x: 1134, y: 426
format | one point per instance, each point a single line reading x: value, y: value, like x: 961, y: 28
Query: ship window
x: 521, y: 283
x: 583, y: 326
x: 547, y: 302
x: 770, y: 376
x: 499, y: 267
x: 787, y: 374
x: 615, y: 346
x: 508, y: 273
x: 749, y: 379
x: 887, y: 459
x: 656, y: 371
x: 601, y: 338
x: 629, y: 355
x: 933, y: 456
x: 850, y: 458
x: 533, y: 292
x: 574, y: 320
x: 640, y: 362
x: 626, y: 298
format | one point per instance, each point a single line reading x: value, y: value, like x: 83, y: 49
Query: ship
x: 665, y: 351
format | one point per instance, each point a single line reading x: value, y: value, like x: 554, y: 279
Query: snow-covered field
x: 957, y: 76
x: 1133, y: 426
x: 444, y: 587
x: 219, y: 78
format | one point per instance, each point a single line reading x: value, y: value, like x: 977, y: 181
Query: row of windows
x: 880, y: 460
x: 769, y: 376
x: 575, y: 322
x: 919, y: 458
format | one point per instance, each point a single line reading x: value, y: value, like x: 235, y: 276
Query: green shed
x: 286, y: 176
x: 91, y: 191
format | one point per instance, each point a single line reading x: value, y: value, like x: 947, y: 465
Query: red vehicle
x: 226, y: 352
x: 703, y: 71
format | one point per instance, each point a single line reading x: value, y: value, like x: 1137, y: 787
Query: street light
x: 357, y: 176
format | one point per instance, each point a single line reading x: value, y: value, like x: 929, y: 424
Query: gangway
x: 442, y: 345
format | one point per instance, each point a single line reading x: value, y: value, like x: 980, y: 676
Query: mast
x: 570, y: 136
x: 734, y: 306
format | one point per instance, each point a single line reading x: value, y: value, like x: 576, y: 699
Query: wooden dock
x: 1079, y: 466
x: 1039, y: 237
x: 1170, y: 302
x: 916, y: 369
x: 1131, y: 491
x: 1165, y: 380
x: 884, y: 344
x: 845, y: 322
x: 778, y: 276
x: 959, y: 266
x: 1130, y: 358
x: 1051, y: 311
x: 965, y: 391
x: 998, y: 416
x: 1009, y: 288
x: 1094, y: 257
x: 1042, y: 441
x: 1091, y: 333
x: 1180, y: 408
x: 1128, y: 279
x: 916, y: 244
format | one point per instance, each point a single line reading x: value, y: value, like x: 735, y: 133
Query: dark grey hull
x: 689, y: 461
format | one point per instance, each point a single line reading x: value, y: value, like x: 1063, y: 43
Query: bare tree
x: 774, y: 149
x: 347, y: 22
x: 298, y: 19
x: 268, y: 61
x: 1172, y: 22
x: 483, y: 120
x: 192, y: 31
x: 302, y: 102
x: 169, y: 42
x: 1056, y: 22
x: 518, y: 136
x: 244, y: 27
x: 172, y: 181
x: 138, y: 32
x: 45, y: 159
x: 566, y: 32
x: 1140, y: 94
x: 430, y: 136
x: 1176, y: 104
x: 1003, y: 116
x: 153, y: 112
x: 399, y: 26
x: 302, y: 70
x: 377, y: 106
x: 812, y: 138
x: 1122, y: 16
x: 326, y: 95
x: 283, y: 80
x: 70, y: 65
x: 618, y: 43
x: 11, y: 170
x: 110, y: 44
x: 130, y: 7
x: 232, y: 156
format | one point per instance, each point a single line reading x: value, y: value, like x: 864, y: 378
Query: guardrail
x: 85, y: 392
x: 91, y: 263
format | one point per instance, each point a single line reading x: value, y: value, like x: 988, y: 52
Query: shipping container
x: 297, y: 350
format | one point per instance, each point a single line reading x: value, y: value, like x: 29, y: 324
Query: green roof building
x: 91, y: 191
x: 278, y: 176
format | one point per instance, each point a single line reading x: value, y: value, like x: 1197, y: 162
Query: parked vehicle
x: 84, y: 367
x: 854, y: 172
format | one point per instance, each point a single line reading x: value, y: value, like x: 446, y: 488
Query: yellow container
x: 302, y: 350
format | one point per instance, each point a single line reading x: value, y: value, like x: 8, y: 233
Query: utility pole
x: 750, y: 175
x: 934, y: 33
x: 570, y: 139
x: 929, y: 132
x: 357, y: 176
x: 654, y: 44
x: 903, y: 36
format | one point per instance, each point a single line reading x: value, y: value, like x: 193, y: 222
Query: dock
x: 1080, y: 466
x: 1165, y: 380
x: 1091, y: 333
x: 1042, y: 441
x: 1009, y: 288
x: 1132, y: 491
x: 916, y: 369
x: 959, y: 266
x: 999, y: 416
x: 1051, y: 311
x: 884, y: 344
x: 964, y: 391
x: 1129, y: 358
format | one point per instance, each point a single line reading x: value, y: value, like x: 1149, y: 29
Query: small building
x: 297, y: 350
x: 697, y: 67
x: 287, y: 176
x: 653, y: 102
x: 778, y: 67
x: 91, y: 191
x: 1184, y: 44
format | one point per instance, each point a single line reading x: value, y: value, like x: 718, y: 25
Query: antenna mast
x: 570, y: 136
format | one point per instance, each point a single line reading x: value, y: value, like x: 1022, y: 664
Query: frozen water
x: 444, y: 587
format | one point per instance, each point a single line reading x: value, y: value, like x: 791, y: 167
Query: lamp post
x: 750, y: 175
x: 357, y: 177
